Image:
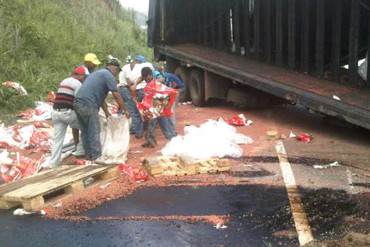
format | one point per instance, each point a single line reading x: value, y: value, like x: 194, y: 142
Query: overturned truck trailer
x: 304, y: 51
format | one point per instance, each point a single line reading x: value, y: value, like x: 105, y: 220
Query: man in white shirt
x: 124, y: 87
x: 138, y: 85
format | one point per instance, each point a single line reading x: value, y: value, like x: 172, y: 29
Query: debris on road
x: 21, y: 212
x: 334, y: 164
x: 135, y: 174
x: 292, y: 135
x: 336, y: 98
x: 304, y: 137
x: 220, y: 226
x: 272, y: 134
x: 175, y: 166
x: 104, y: 186
x: 239, y: 120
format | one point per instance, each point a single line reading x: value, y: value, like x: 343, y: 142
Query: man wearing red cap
x: 64, y: 115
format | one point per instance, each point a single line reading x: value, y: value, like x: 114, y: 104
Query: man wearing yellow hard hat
x: 90, y: 62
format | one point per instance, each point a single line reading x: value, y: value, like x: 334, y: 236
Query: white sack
x: 212, y: 139
x: 115, y: 139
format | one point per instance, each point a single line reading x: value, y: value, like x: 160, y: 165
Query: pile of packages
x: 15, y: 140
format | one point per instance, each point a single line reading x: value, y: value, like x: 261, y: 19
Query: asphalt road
x: 336, y: 200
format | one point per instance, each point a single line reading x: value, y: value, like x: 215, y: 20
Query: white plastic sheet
x: 115, y: 138
x: 212, y: 139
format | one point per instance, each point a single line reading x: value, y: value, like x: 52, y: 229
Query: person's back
x: 96, y: 87
x: 66, y: 93
x: 173, y: 81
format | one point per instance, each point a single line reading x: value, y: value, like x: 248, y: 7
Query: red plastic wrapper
x: 135, y: 174
x: 236, y: 121
x: 158, y: 100
x: 304, y: 137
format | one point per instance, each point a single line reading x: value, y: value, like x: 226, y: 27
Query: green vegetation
x: 42, y: 40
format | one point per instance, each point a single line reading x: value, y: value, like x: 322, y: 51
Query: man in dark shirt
x: 89, y: 99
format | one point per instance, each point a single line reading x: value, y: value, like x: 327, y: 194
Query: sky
x: 139, y: 5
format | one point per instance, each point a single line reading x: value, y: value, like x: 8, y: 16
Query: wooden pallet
x: 31, y: 192
x: 174, y: 166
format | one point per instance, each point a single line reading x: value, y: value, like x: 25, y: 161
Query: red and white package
x: 158, y: 100
x: 135, y: 174
x: 239, y: 120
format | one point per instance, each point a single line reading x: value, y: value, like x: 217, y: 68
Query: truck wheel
x: 196, y: 87
x: 183, y: 74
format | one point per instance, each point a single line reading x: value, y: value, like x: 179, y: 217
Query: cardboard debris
x: 175, y: 166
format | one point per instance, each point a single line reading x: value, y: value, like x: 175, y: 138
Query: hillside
x: 42, y: 40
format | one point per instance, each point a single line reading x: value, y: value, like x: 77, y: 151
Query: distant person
x: 89, y: 99
x: 124, y: 89
x: 64, y: 115
x: 91, y: 61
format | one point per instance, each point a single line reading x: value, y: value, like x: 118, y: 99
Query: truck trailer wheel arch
x: 184, y: 75
x: 196, y: 87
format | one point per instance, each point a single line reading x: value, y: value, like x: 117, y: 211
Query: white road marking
x: 350, y: 181
x: 299, y: 215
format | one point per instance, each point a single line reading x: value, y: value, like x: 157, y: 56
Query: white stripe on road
x: 299, y: 215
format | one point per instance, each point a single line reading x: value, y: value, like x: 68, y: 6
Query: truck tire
x: 196, y: 87
x: 183, y: 74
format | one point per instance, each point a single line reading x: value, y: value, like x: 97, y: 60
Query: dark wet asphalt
x: 254, y: 214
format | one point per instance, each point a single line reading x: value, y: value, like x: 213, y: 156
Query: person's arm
x: 105, y: 109
x: 117, y: 97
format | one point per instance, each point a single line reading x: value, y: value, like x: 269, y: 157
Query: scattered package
x: 42, y: 112
x: 16, y: 86
x: 20, y: 167
x: 135, y: 174
x: 334, y: 164
x: 239, y: 120
x: 304, y: 137
x: 213, y: 139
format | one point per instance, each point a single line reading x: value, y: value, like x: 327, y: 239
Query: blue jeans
x: 88, y: 117
x: 140, y: 94
x: 166, y: 125
x: 136, y: 121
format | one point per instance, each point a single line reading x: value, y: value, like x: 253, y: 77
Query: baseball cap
x: 80, y: 70
x: 140, y: 58
x: 115, y: 62
x: 157, y: 75
x: 91, y: 57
